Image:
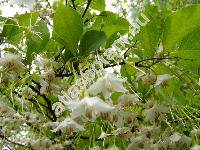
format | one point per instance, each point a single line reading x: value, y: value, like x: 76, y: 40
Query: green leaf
x: 12, y: 32
x: 2, y: 19
x: 67, y: 55
x: 98, y: 5
x: 128, y: 71
x: 191, y: 41
x: 180, y: 24
x: 189, y: 60
x: 52, y: 48
x: 111, y: 24
x: 37, y: 39
x: 91, y: 40
x: 150, y: 33
x: 28, y: 19
x: 68, y: 27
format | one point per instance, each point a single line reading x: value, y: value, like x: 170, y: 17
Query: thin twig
x: 46, y: 99
x: 73, y: 4
x: 87, y: 7
x: 126, y: 53
x: 15, y: 143
x: 157, y: 60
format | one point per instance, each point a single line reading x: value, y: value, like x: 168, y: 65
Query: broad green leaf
x: 12, y: 32
x: 67, y: 55
x: 171, y: 93
x: 39, y: 37
x: 28, y: 19
x: 128, y: 71
x: 189, y: 60
x: 111, y: 24
x: 174, y: 94
x: 98, y: 5
x: 191, y: 41
x: 52, y: 48
x: 2, y: 19
x: 91, y: 40
x: 68, y: 27
x: 179, y: 24
x: 150, y: 33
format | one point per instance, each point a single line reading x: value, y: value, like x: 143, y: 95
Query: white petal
x: 175, y: 137
x: 97, y: 86
x: 61, y: 125
x: 98, y: 105
x: 77, y: 126
x: 78, y: 110
x: 27, y: 3
x: 116, y: 83
x: 161, y: 78
x: 113, y: 77
x: 118, y: 87
x: 106, y: 93
x: 195, y: 147
x: 70, y: 123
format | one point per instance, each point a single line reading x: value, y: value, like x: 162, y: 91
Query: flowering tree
x: 74, y: 76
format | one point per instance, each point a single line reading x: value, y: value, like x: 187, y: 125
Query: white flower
x: 103, y: 135
x: 128, y: 100
x: 195, y: 147
x: 175, y: 137
x: 69, y: 125
x: 89, y: 106
x: 156, y: 113
x: 42, y: 62
x: 108, y: 84
x: 162, y: 79
x: 25, y: 3
x: 58, y: 108
x: 12, y: 62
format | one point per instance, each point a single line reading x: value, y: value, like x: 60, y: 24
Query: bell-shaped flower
x: 128, y: 100
x: 108, y: 84
x: 89, y: 107
x: 69, y: 125
x: 195, y: 147
x: 162, y: 79
x: 12, y: 62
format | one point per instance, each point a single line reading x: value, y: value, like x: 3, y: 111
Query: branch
x: 57, y: 57
x: 126, y: 53
x: 73, y: 4
x: 87, y: 20
x: 156, y: 60
x: 69, y: 73
x: 87, y: 7
x: 36, y: 104
x: 49, y: 105
x: 15, y: 143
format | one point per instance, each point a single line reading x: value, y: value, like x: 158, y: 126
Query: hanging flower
x: 69, y: 126
x: 156, y: 113
x: 128, y: 100
x: 162, y: 79
x: 59, y: 108
x: 89, y: 106
x: 195, y: 147
x: 12, y: 62
x: 108, y: 84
